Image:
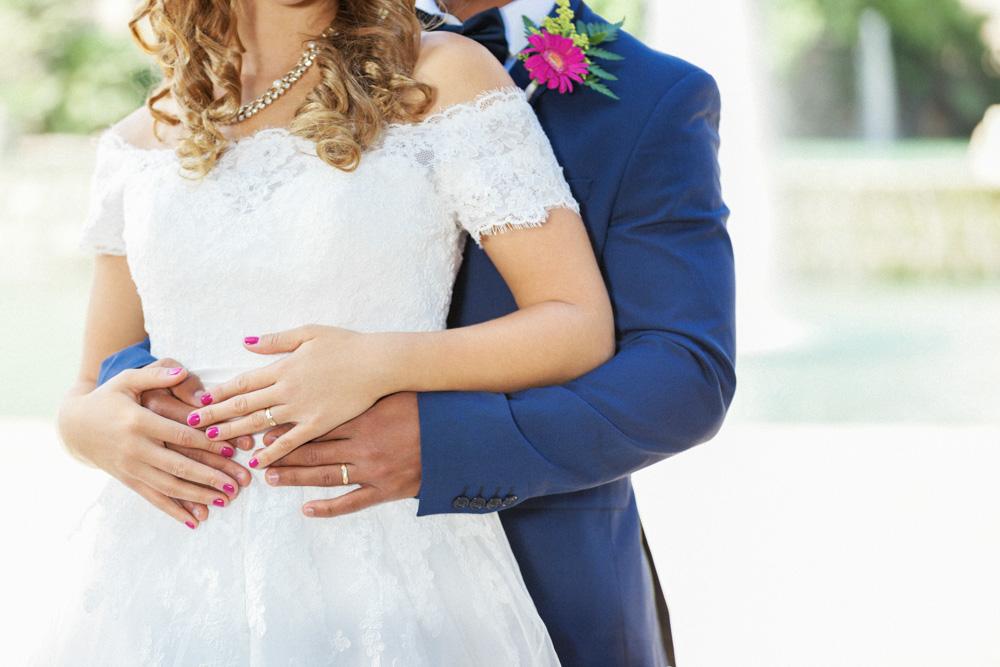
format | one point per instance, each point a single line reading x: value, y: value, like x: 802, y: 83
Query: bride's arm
x: 106, y: 427
x: 562, y: 329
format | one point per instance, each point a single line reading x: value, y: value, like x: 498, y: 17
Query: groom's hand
x: 175, y: 404
x: 381, y: 449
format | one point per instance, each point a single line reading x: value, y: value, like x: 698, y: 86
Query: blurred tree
x: 60, y: 73
x: 632, y: 11
x: 947, y: 76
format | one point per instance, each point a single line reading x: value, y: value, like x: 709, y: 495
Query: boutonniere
x: 562, y: 52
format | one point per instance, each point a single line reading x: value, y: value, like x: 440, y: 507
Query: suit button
x: 509, y: 500
x: 493, y: 503
x: 461, y: 503
x: 477, y: 503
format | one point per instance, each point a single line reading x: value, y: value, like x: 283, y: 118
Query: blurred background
x: 861, y: 159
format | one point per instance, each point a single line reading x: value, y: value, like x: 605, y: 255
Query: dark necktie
x: 485, y: 27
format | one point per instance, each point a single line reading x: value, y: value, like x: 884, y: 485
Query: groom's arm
x: 669, y: 268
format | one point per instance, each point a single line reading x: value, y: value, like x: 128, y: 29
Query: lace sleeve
x: 495, y: 166
x: 105, y: 222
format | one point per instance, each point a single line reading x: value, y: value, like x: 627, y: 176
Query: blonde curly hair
x: 366, y: 67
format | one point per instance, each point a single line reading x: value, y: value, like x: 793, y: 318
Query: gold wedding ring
x: 270, y: 419
x: 343, y: 472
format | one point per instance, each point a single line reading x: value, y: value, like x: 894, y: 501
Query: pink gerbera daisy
x: 555, y: 61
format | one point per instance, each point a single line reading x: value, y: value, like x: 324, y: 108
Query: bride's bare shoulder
x: 457, y: 68
x: 137, y: 129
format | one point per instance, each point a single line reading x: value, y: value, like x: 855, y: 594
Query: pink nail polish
x: 212, y: 432
x: 175, y: 371
x: 227, y: 451
x: 229, y: 488
x: 251, y: 340
x: 254, y: 463
x: 194, y: 419
x: 206, y: 399
x: 219, y: 502
x: 189, y: 525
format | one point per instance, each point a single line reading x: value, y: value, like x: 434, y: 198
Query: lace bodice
x: 274, y: 238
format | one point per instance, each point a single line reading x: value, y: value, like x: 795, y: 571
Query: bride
x: 324, y: 218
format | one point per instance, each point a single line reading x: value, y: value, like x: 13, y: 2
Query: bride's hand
x: 331, y: 376
x: 107, y: 428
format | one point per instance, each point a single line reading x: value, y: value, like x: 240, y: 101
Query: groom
x: 556, y: 461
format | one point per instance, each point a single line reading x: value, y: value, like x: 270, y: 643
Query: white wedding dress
x: 271, y: 239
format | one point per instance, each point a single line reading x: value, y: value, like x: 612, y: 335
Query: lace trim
x: 483, y: 100
x: 489, y: 159
x: 529, y: 221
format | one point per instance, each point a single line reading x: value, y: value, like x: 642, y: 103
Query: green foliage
x: 60, y: 73
x: 596, y: 70
x: 599, y: 87
x: 605, y: 55
x: 945, y: 72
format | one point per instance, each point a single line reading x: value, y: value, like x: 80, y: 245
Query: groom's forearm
x: 135, y: 356
x: 654, y: 400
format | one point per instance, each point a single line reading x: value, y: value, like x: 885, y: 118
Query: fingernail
x: 254, y: 463
x: 251, y: 340
x: 309, y: 511
x: 243, y: 478
x: 227, y: 451
x: 212, y: 432
x: 194, y: 419
x: 175, y: 371
x: 219, y: 502
x: 272, y: 476
x: 189, y: 525
x: 206, y: 399
x: 229, y: 488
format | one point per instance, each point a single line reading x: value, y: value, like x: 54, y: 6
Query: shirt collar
x: 536, y: 10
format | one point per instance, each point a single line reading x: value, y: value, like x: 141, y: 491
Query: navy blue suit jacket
x: 645, y: 172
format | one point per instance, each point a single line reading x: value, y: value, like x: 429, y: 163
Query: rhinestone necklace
x: 281, y: 86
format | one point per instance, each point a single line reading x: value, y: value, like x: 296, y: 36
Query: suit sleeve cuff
x: 468, y: 450
x: 136, y: 356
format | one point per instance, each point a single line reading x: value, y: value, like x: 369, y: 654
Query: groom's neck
x: 463, y: 9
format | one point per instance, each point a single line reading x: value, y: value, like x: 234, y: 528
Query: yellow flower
x: 562, y: 22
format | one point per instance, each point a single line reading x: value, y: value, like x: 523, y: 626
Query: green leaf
x: 599, y: 87
x: 581, y: 28
x: 604, y: 55
x: 597, y: 38
x: 529, y: 26
x: 612, y: 30
x: 600, y: 72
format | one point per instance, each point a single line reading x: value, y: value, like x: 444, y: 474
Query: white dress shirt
x: 513, y: 23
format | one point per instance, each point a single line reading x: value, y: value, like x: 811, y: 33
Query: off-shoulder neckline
x: 481, y: 101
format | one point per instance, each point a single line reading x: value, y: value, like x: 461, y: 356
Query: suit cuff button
x: 477, y: 503
x: 460, y: 503
x: 509, y: 500
x: 493, y: 503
